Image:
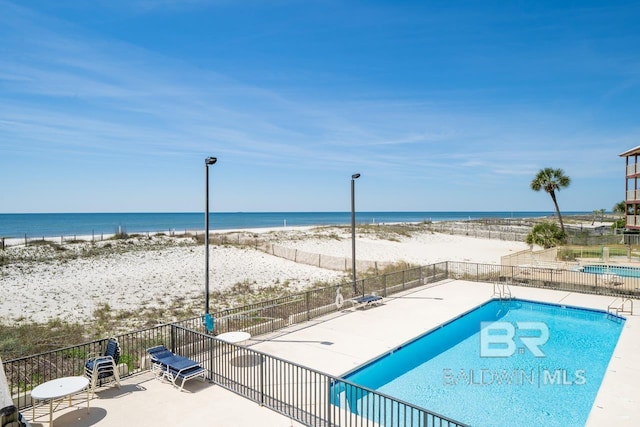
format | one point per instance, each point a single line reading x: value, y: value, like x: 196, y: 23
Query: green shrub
x: 546, y: 234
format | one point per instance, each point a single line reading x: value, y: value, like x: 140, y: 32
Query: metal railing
x: 599, y: 281
x: 288, y: 388
x: 306, y: 395
x: 272, y: 315
x: 25, y: 373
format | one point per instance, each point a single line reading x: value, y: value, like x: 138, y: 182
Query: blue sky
x: 112, y: 105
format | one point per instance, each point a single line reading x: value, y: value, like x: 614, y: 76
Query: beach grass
x: 33, y: 338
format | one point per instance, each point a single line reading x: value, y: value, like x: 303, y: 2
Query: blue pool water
x: 531, y: 364
x: 618, y: 270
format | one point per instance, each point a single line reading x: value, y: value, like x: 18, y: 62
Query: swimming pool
x: 618, y: 270
x: 505, y: 363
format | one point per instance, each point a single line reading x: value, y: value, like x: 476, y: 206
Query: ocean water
x: 65, y: 224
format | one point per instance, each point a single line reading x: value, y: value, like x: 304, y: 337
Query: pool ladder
x: 619, y: 305
x: 502, y: 291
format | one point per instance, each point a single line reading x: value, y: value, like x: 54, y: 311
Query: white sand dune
x: 72, y: 289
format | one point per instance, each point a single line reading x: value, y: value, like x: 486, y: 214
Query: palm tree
x: 546, y: 234
x: 620, y: 208
x: 551, y: 180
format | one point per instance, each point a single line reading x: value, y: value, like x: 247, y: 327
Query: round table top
x: 59, y: 387
x: 234, y: 337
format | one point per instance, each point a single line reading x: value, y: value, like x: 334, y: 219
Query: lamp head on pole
x: 210, y: 160
x: 355, y: 176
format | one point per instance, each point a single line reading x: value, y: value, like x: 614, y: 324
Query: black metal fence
x: 25, y: 373
x: 272, y: 315
x: 598, y: 278
x: 306, y: 395
x: 309, y: 396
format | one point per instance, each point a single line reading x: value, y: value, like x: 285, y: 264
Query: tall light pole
x: 353, y: 229
x: 207, y: 162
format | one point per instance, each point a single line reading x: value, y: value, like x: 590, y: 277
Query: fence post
x: 329, y: 384
x: 306, y: 300
x: 211, y: 356
x: 261, y: 379
x: 384, y: 285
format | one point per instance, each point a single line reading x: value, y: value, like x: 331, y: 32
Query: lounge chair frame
x: 366, y: 301
x: 167, y: 365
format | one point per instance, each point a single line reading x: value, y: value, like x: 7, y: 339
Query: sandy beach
x: 146, y: 275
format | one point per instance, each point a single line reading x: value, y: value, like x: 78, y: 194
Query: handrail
x: 502, y: 290
x: 620, y: 308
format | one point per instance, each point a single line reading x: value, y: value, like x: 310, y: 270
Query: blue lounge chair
x: 366, y: 300
x: 104, y: 365
x: 166, y: 364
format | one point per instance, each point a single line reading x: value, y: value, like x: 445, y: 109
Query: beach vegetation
x: 120, y: 234
x: 545, y: 234
x: 619, y: 223
x: 620, y: 208
x: 551, y: 180
x: 390, y: 268
x: 17, y: 340
x: 74, y: 240
x: 391, y: 232
x: 47, y: 244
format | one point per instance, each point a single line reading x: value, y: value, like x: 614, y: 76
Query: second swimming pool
x: 506, y: 363
x: 618, y: 270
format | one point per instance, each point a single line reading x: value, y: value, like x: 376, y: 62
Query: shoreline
x: 584, y: 220
x: 57, y: 225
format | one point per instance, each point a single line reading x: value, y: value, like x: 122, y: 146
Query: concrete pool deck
x: 343, y: 341
x: 338, y: 343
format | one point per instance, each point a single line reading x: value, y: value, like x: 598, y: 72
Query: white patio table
x: 234, y: 337
x: 57, y: 389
